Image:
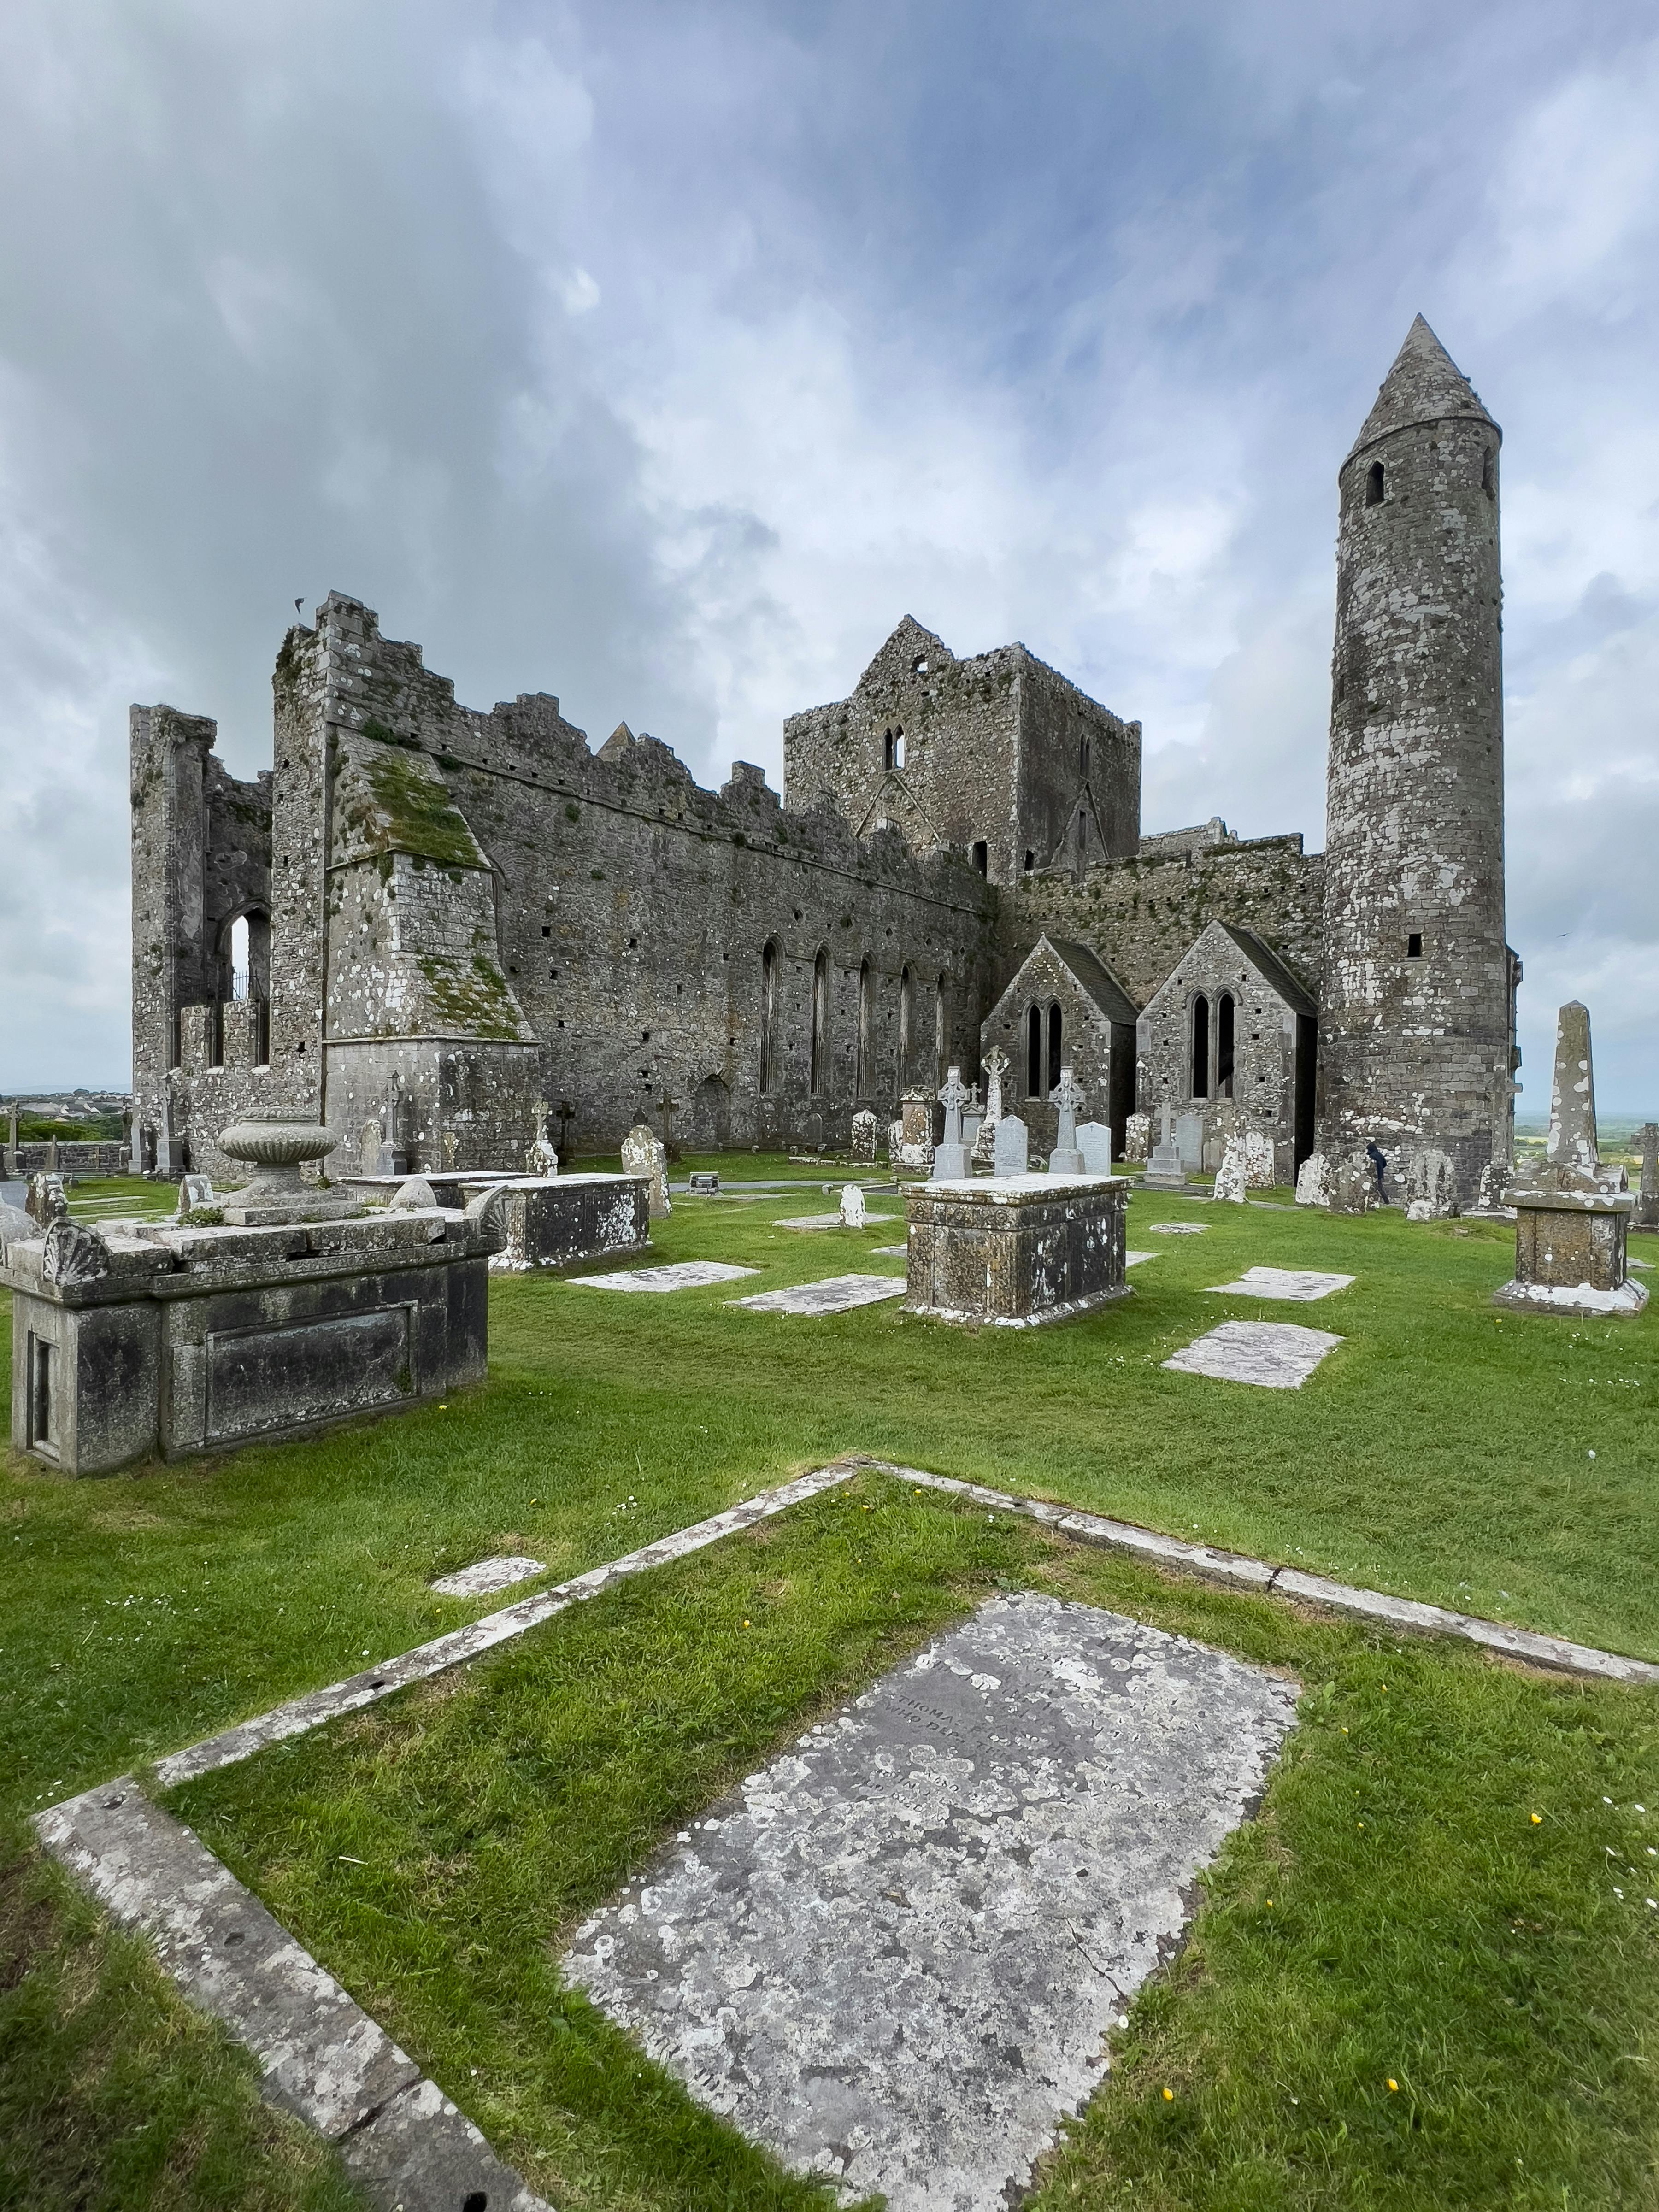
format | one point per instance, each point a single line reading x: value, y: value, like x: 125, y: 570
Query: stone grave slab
x: 1304, y: 1284
x: 893, y: 1956
x: 682, y: 1275
x: 901, y: 1251
x: 831, y: 1221
x: 1644, y: 1265
x: 486, y: 1575
x: 1277, y: 1355
x: 1134, y: 1258
x: 1176, y: 1228
x: 836, y: 1294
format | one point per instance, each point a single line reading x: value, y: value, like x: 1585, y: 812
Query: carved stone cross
x: 953, y: 1097
x: 996, y: 1066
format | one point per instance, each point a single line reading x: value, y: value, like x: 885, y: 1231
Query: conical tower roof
x: 1425, y: 384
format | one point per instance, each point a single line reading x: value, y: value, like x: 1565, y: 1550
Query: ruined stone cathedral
x: 461, y: 928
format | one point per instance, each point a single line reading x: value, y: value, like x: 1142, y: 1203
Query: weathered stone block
x: 1018, y: 1250
x: 575, y: 1217
x: 168, y: 1340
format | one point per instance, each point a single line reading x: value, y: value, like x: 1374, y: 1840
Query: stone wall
x: 201, y: 857
x: 479, y: 913
x: 1138, y: 916
x: 996, y: 750
x: 1265, y: 1083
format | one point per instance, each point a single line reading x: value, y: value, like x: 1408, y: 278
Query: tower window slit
x: 1377, y: 488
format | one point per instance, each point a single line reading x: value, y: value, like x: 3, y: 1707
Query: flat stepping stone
x: 902, y: 1252
x: 1302, y: 1283
x: 478, y: 1581
x: 1643, y: 1264
x: 1134, y: 1259
x: 836, y: 1294
x: 832, y: 1221
x: 681, y: 1275
x: 894, y: 1955
x: 1277, y: 1355
x: 1176, y: 1228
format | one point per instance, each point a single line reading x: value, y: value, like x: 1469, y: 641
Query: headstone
x: 915, y: 1149
x: 1137, y: 1136
x: 1313, y: 1181
x: 996, y: 1066
x: 15, y: 1227
x: 1495, y: 1179
x: 1066, y: 1159
x: 541, y: 1159
x: 866, y: 1133
x: 46, y: 1202
x: 372, y: 1151
x: 1430, y: 1186
x: 1646, y: 1215
x: 1094, y: 1141
x: 1164, y: 1170
x: 1261, y: 1165
x: 643, y: 1154
x: 413, y: 1191
x: 1232, y: 1183
x: 951, y: 1156
x: 852, y: 1206
x: 1011, y: 1156
x: 1353, y: 1184
x: 895, y: 1140
x: 194, y: 1190
x: 1189, y: 1141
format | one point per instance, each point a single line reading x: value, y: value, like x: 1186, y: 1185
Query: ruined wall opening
x: 819, y: 1072
x: 1200, y: 1080
x: 940, y: 1036
x: 1377, y: 485
x: 981, y: 853
x: 861, y: 1072
x: 1054, y: 1043
x: 906, y: 995
x: 769, y: 1014
x: 1414, y: 944
x: 1223, y: 1045
x: 239, y: 958
x: 1034, y: 1053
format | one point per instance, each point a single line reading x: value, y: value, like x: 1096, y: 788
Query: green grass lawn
x: 1499, y: 1464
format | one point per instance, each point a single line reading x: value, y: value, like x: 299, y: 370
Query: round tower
x: 1416, y: 1021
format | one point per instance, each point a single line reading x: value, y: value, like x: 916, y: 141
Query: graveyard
x: 1416, y: 1962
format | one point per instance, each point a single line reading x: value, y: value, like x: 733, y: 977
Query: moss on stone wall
x: 471, y: 996
x: 407, y: 808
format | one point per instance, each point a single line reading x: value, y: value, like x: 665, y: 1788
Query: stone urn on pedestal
x: 276, y: 1146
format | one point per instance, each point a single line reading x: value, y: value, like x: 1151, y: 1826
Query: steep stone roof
x: 1425, y: 384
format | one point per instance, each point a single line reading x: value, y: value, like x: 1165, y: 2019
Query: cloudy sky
x: 662, y: 355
